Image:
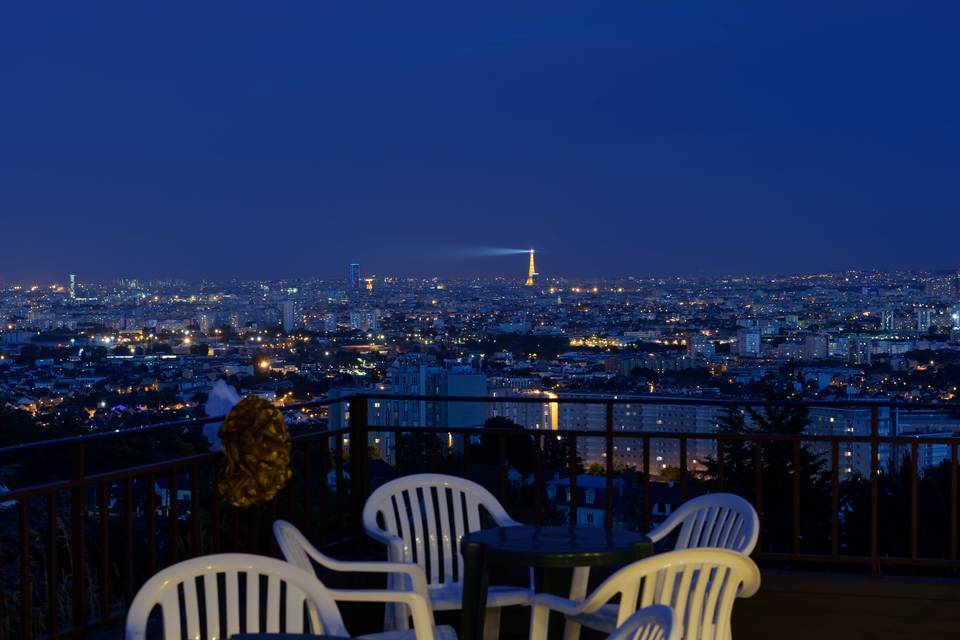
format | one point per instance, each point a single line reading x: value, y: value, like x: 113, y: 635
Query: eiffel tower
x: 531, y: 272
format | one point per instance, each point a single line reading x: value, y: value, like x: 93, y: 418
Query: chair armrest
x: 507, y: 522
x: 419, y: 609
x: 663, y: 530
x: 394, y: 544
x: 418, y: 578
x: 557, y: 603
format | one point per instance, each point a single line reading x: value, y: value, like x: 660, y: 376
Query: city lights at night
x: 657, y: 302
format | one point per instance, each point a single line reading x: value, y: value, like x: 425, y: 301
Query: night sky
x: 286, y: 139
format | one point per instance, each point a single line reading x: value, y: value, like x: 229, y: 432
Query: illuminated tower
x: 353, y: 275
x: 532, y: 271
x: 73, y: 286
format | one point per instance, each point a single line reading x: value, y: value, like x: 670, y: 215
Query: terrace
x: 858, y: 523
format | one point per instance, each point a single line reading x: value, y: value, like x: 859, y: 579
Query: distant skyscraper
x: 73, y: 286
x: 531, y: 272
x: 748, y: 342
x: 923, y: 320
x: 289, y: 315
x: 861, y: 350
x: 353, y: 275
x: 886, y: 320
x: 815, y: 347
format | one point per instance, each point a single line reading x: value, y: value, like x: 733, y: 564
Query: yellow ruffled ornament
x: 256, y: 453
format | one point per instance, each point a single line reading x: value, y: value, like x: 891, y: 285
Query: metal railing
x: 81, y: 546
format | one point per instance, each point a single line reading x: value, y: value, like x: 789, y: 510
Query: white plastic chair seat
x: 443, y: 632
x: 421, y: 520
x: 699, y: 585
x: 449, y: 597
x: 603, y: 619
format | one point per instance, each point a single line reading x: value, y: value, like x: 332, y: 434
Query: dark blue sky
x: 288, y: 138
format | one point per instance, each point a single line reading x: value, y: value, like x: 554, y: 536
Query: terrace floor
x: 803, y: 605
x: 790, y: 605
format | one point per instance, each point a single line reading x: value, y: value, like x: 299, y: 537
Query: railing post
x: 78, y: 558
x: 358, y: 461
x: 609, y: 472
x: 874, y: 487
x: 538, y: 479
x: 26, y: 587
x: 572, y: 439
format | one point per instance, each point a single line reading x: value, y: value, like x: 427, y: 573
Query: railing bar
x: 835, y: 498
x: 235, y: 544
x: 53, y: 619
x: 306, y: 519
x: 914, y: 499
x: 274, y: 506
x: 255, y: 529
x: 152, y: 523
x: 432, y: 451
x: 195, y: 509
x: 128, y: 543
x: 26, y: 587
x: 537, y: 478
x: 796, y: 497
x: 467, y: 456
x: 339, y: 466
x: 215, y: 511
x: 646, y: 483
x: 398, y: 450
x: 102, y: 494
x: 608, y: 516
x: 721, y: 468
x: 78, y: 557
x: 359, y: 447
x: 172, y: 516
x: 502, y: 468
x: 19, y: 448
x: 758, y: 486
x: 323, y: 488
x: 874, y: 488
x: 683, y: 470
x: 953, y: 501
x: 573, y: 478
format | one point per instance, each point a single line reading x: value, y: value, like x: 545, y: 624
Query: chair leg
x: 539, y: 620
x: 491, y: 624
x: 571, y: 630
x: 578, y: 585
x: 578, y: 591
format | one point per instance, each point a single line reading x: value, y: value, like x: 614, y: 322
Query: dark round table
x: 549, y: 550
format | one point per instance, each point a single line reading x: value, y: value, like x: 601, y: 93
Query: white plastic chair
x: 199, y: 580
x: 719, y: 520
x: 421, y: 519
x: 716, y: 520
x: 298, y: 550
x: 656, y: 622
x: 700, y: 586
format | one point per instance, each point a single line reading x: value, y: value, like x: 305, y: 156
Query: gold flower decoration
x: 256, y: 453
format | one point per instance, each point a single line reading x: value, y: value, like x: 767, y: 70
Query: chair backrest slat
x: 698, y: 585
x: 253, y: 602
x: 288, y: 589
x: 232, y: 579
x: 431, y: 520
x: 447, y: 545
x: 211, y: 604
x: 431, y: 534
x: 656, y: 622
x: 720, y: 520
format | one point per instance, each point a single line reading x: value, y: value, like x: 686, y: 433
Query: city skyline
x: 74, y: 280
x: 684, y: 138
